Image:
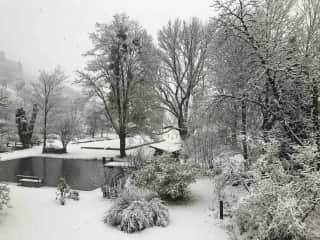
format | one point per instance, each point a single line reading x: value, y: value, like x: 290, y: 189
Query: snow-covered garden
x: 35, y: 214
x: 177, y: 119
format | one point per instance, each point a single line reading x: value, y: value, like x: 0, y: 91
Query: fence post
x: 104, y: 161
x: 221, y: 209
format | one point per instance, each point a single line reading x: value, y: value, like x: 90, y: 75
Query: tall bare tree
x: 94, y: 117
x: 47, y: 93
x: 309, y: 39
x: 183, y: 52
x: 231, y: 71
x: 121, y: 62
x: 69, y: 122
x: 268, y: 29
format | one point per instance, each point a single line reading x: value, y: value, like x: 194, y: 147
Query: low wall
x: 81, y: 174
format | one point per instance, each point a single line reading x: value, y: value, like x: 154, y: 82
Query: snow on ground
x: 75, y: 150
x: 35, y: 215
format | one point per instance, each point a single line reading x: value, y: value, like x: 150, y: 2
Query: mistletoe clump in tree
x: 25, y: 128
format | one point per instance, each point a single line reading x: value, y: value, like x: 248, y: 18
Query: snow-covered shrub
x: 306, y: 155
x: 131, y: 213
x: 136, y: 217
x: 4, y: 195
x: 232, y: 173
x: 160, y: 212
x: 279, y: 209
x: 202, y: 147
x: 114, y: 214
x: 139, y: 158
x: 282, y: 198
x: 166, y: 176
x: 292, y: 158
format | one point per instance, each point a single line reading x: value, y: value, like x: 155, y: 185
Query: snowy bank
x: 35, y: 215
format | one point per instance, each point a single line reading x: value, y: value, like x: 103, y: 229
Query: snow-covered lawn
x: 75, y: 150
x: 35, y: 215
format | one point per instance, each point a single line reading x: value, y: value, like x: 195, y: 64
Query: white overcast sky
x: 43, y: 33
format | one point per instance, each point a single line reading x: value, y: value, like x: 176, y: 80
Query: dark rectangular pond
x: 81, y: 174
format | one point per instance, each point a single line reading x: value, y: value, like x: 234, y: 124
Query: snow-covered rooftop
x: 167, y: 146
x: 117, y: 164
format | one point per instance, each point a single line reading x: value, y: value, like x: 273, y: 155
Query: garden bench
x: 29, y: 181
x: 14, y: 144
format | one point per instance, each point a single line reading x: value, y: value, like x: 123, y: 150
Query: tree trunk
x: 234, y: 128
x: 266, y: 114
x: 244, y: 132
x: 64, y: 146
x: 122, y: 137
x: 183, y: 129
x: 44, y: 146
x: 93, y: 133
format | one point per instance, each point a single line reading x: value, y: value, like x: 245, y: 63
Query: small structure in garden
x: 167, y: 147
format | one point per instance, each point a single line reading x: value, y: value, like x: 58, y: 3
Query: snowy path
x: 36, y: 216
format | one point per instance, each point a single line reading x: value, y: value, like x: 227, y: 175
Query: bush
x: 165, y: 176
x: 139, y: 158
x: 284, y: 198
x: 114, y: 215
x: 279, y: 210
x: 132, y: 213
x: 3, y: 148
x: 160, y: 212
x: 4, y: 195
x: 136, y: 217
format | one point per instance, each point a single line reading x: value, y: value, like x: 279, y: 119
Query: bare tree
x: 267, y: 28
x: 231, y: 72
x: 183, y: 52
x: 94, y: 117
x: 68, y: 125
x: 47, y: 92
x: 310, y: 35
x: 121, y: 63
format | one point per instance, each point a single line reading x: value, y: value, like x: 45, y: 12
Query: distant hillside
x: 11, y: 72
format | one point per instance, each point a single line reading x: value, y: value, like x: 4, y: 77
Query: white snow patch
x: 35, y: 215
x: 118, y: 164
x: 76, y: 152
